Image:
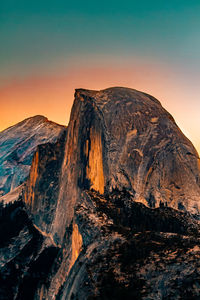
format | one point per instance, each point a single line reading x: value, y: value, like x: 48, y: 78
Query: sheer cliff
x: 120, y: 138
x: 42, y: 187
x: 128, y: 140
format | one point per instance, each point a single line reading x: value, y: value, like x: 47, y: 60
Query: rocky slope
x: 110, y: 206
x: 130, y: 251
x: 17, y: 146
x: 114, y: 249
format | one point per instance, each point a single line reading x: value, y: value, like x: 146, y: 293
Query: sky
x: 50, y: 47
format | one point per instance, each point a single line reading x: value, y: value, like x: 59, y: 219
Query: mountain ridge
x: 34, y: 118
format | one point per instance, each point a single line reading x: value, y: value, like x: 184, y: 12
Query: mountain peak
x: 115, y: 94
x: 29, y: 124
x: 37, y: 118
x: 17, y: 146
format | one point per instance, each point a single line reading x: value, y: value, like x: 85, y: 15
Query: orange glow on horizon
x: 52, y: 96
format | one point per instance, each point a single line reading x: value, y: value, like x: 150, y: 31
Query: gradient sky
x: 49, y: 48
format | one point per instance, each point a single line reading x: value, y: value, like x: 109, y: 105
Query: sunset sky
x: 50, y: 47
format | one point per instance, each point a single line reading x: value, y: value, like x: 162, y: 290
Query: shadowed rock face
x: 24, y: 261
x: 17, y: 146
x: 42, y: 187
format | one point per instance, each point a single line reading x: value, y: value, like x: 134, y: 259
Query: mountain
x: 110, y: 210
x: 120, y: 138
x: 17, y: 146
x: 128, y: 140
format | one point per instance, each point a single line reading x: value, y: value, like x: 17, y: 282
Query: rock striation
x: 126, y: 139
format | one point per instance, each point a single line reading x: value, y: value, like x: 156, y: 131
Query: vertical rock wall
x: 42, y: 188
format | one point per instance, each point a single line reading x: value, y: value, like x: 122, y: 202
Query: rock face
x: 120, y: 138
x: 42, y: 187
x: 93, y: 239
x: 17, y: 146
x: 128, y: 140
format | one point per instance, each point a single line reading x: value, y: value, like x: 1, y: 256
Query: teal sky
x: 42, y: 33
x: 49, y: 37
